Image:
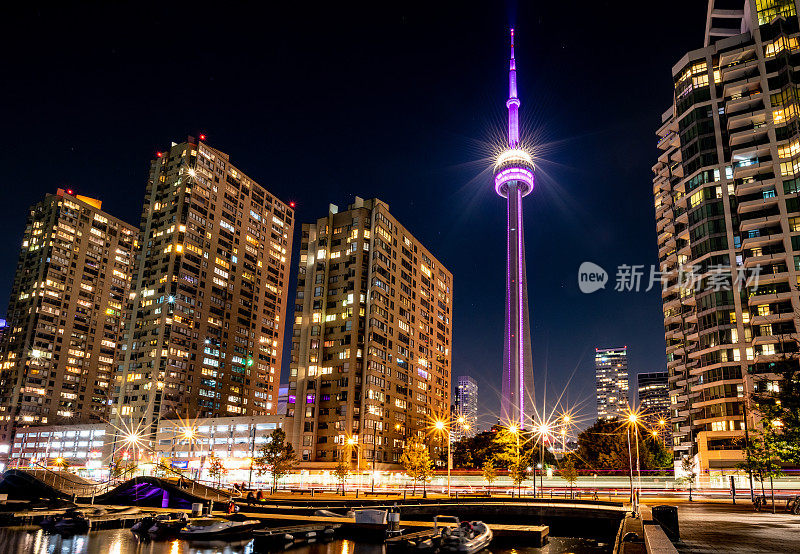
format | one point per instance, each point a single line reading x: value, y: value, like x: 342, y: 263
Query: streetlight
x: 633, y: 420
x: 514, y: 430
x: 441, y: 426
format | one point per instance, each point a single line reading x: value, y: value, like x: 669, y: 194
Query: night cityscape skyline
x: 587, y: 160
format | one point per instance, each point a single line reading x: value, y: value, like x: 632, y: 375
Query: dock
x: 534, y: 535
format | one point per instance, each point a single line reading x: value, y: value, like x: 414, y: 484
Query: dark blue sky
x: 402, y: 101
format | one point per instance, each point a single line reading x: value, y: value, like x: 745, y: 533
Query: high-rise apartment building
x: 726, y: 200
x: 209, y: 301
x: 611, y: 373
x: 653, y: 392
x: 371, y: 346
x: 466, y: 404
x: 66, y: 314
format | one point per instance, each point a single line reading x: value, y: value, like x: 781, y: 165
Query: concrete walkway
x: 722, y: 527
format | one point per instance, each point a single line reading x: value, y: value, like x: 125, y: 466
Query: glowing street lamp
x: 515, y: 430
x: 632, y: 420
x: 440, y: 425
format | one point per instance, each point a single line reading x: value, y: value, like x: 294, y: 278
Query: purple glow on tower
x: 513, y: 102
x: 513, y: 180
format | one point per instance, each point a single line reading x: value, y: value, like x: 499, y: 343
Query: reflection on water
x: 30, y: 540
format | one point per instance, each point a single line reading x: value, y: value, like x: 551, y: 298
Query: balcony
x: 761, y: 237
x: 751, y: 185
x: 744, y: 168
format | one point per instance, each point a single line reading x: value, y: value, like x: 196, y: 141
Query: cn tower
x: 513, y: 180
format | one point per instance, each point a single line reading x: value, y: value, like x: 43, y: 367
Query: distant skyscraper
x: 513, y: 180
x: 66, y: 314
x: 725, y: 191
x: 653, y: 391
x: 611, y: 369
x: 466, y: 404
x: 372, y: 337
x: 208, y: 305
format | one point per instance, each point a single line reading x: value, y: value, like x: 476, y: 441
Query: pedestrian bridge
x: 34, y: 484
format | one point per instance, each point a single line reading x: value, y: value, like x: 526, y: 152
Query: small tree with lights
x: 342, y: 472
x: 216, y: 469
x: 568, y: 472
x: 276, y: 457
x: 418, y: 464
x: 489, y: 473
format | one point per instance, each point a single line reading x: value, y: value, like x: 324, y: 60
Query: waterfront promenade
x: 718, y: 526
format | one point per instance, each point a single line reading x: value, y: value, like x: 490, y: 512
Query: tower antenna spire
x: 513, y: 101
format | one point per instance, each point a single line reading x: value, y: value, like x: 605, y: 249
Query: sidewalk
x: 707, y: 527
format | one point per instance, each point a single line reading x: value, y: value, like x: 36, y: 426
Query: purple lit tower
x: 513, y: 179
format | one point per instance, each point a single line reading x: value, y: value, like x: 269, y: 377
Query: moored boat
x: 212, y: 529
x: 466, y: 537
x: 167, y: 526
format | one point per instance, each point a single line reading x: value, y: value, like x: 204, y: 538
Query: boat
x: 327, y: 513
x: 269, y: 540
x: 370, y: 517
x: 143, y: 525
x: 167, y: 526
x: 465, y: 537
x: 73, y: 523
x: 212, y: 529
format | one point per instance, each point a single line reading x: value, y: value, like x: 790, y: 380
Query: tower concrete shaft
x: 513, y: 179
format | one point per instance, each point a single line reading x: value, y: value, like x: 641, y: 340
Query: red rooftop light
x: 202, y: 137
x: 159, y: 154
x: 291, y: 204
x: 69, y: 191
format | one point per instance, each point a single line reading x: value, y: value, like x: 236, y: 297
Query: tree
x: 689, y: 474
x: 604, y: 447
x: 276, y: 457
x: 568, y: 472
x: 514, y: 455
x: 473, y: 452
x: 216, y: 469
x: 341, y: 473
x: 762, y: 460
x: 778, y: 402
x: 121, y: 467
x: 417, y: 462
x: 163, y: 468
x: 489, y: 472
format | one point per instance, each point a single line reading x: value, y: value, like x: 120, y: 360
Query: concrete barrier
x: 656, y: 540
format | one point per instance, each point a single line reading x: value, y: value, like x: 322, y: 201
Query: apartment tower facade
x: 66, y: 314
x: 209, y: 301
x: 371, y: 346
x: 611, y: 375
x: 726, y: 200
x: 466, y: 404
x: 653, y: 392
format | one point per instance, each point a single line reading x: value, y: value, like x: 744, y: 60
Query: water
x: 32, y: 540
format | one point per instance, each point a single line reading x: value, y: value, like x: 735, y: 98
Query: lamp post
x: 252, y: 454
x: 350, y: 443
x: 633, y: 419
x: 441, y: 427
x: 514, y: 430
x: 374, y: 454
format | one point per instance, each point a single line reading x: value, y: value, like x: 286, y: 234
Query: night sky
x: 395, y: 100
